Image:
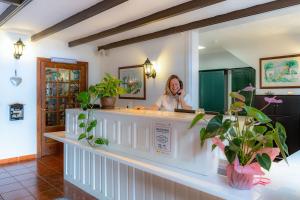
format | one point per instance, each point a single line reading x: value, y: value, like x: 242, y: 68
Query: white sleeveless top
x: 168, y: 103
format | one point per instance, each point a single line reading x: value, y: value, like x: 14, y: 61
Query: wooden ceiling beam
x: 78, y: 17
x: 258, y: 9
x: 12, y: 10
x: 12, y: 2
x: 167, y: 13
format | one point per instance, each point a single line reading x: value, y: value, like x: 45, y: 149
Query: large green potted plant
x: 108, y: 89
x: 247, y: 141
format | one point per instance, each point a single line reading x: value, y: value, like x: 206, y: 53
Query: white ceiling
x: 278, y: 24
x: 40, y: 14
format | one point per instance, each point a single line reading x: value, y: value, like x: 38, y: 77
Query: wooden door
x: 57, y: 87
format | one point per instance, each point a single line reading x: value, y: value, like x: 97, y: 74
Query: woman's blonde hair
x: 167, y: 87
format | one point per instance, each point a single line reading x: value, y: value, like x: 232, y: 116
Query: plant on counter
x: 247, y: 141
x: 108, y: 89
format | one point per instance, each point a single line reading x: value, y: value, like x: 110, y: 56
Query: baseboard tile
x: 17, y: 159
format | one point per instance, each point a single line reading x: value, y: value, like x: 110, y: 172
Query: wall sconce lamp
x: 149, y: 69
x: 19, y: 47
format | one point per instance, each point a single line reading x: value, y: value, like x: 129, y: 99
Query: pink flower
x: 249, y: 88
x: 272, y: 100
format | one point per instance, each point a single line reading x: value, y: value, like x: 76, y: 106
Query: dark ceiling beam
x: 12, y: 2
x: 258, y: 9
x: 11, y: 11
x: 79, y: 17
x: 170, y: 12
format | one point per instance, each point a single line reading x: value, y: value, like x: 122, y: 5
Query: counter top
x: 285, y: 178
x: 177, y: 116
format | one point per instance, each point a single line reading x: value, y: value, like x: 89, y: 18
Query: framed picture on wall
x: 280, y: 72
x: 133, y: 80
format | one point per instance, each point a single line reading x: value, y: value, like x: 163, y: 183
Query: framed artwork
x: 133, y: 80
x: 280, y: 72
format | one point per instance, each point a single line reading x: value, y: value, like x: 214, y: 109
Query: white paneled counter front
x: 152, y: 155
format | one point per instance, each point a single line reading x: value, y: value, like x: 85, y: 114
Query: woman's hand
x: 182, y: 94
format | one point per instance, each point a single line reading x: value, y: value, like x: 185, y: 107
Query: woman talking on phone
x: 173, y: 96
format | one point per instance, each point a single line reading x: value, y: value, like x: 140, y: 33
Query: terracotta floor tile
x: 8, y: 180
x: 29, y: 163
x: 4, y: 175
x: 25, y: 176
x: 36, y: 189
x: 49, y: 194
x: 41, y: 178
x: 16, y: 195
x: 19, y: 172
x: 10, y: 187
x: 32, y: 182
x: 15, y: 166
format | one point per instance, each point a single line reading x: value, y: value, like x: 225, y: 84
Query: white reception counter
x: 152, y: 155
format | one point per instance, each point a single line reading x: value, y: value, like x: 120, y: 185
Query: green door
x: 241, y: 78
x: 213, y: 90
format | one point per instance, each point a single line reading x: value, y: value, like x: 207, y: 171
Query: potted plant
x: 108, y: 89
x: 87, y: 123
x: 247, y: 141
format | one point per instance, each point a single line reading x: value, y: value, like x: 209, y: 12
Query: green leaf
x: 257, y: 114
x: 278, y: 143
x: 235, y: 144
x: 213, y: 147
x: 237, y: 106
x: 91, y: 126
x: 101, y: 141
x: 226, y: 125
x: 203, y: 135
x: 230, y: 155
x: 260, y: 129
x: 196, y: 119
x: 214, y: 124
x: 264, y: 160
x: 81, y: 116
x: 90, y: 137
x: 238, y: 96
x: 93, y: 123
x: 282, y: 136
x: 82, y: 125
x: 81, y: 136
x: 268, y: 139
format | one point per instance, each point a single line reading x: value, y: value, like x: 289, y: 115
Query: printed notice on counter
x: 162, y: 137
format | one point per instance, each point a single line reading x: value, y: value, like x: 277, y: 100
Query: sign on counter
x: 162, y: 137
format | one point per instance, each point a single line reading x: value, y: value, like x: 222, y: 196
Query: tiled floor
x: 37, y: 179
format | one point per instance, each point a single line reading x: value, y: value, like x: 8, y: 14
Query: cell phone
x: 181, y: 87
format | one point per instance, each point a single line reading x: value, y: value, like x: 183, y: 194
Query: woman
x: 173, y: 96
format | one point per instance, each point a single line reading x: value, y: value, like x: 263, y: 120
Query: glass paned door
x: 58, y: 87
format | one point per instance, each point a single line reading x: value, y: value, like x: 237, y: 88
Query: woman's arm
x: 182, y: 102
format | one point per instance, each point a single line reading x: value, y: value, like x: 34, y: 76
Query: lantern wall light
x: 19, y: 47
x: 149, y: 69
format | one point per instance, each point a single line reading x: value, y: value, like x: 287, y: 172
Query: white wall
x: 250, y: 51
x: 18, y: 138
x: 219, y: 60
x: 168, y: 52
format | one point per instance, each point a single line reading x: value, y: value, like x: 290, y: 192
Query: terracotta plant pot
x: 238, y: 180
x: 108, y: 102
